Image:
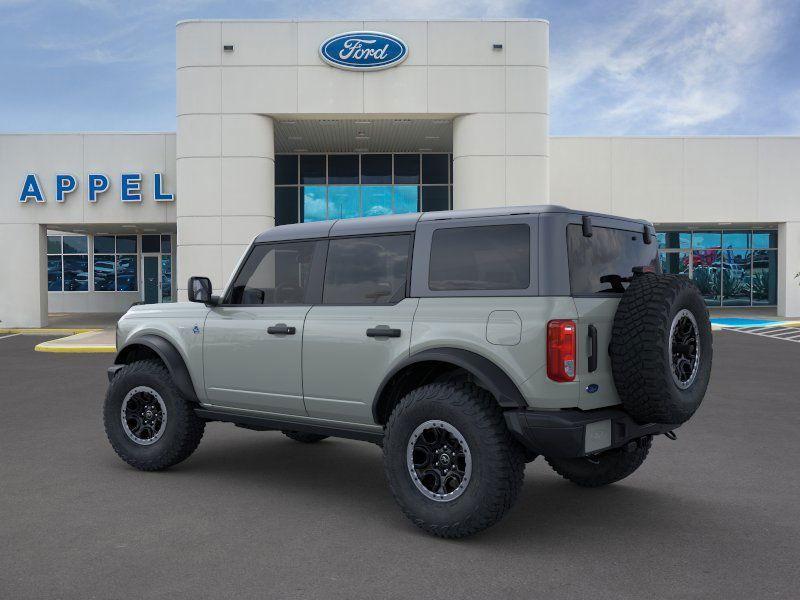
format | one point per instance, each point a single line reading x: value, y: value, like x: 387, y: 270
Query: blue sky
x: 670, y: 67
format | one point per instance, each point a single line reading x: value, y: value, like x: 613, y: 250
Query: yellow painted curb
x: 46, y: 331
x: 43, y: 347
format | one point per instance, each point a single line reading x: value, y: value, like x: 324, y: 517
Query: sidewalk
x: 98, y: 341
x: 93, y: 333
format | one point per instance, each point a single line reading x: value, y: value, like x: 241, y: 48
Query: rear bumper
x: 574, y: 433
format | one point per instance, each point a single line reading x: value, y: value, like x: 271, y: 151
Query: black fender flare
x: 493, y: 378
x: 170, y: 356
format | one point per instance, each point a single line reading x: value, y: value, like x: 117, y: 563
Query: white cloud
x: 669, y: 66
x: 409, y: 9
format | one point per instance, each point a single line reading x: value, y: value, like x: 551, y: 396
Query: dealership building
x: 290, y: 121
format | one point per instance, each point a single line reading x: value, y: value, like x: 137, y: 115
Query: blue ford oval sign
x: 363, y: 50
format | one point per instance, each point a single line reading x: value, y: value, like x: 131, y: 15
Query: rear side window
x: 490, y: 257
x: 604, y: 263
x: 274, y: 274
x: 366, y: 270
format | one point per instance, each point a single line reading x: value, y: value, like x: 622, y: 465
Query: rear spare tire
x: 661, y: 348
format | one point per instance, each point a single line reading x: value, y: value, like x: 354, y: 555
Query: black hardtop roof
x: 407, y: 222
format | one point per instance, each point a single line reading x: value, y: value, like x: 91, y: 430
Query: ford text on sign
x: 363, y: 50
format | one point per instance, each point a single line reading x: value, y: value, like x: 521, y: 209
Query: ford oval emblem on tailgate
x: 363, y: 50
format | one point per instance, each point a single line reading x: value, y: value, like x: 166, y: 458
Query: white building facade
x: 287, y: 121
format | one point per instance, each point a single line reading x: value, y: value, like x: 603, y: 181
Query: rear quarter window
x: 604, y: 262
x: 490, y: 257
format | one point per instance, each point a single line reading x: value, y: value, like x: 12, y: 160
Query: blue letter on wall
x: 97, y: 185
x: 158, y: 195
x: 31, y: 189
x: 64, y: 185
x: 131, y: 188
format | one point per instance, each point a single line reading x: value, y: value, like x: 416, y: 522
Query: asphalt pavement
x: 715, y: 514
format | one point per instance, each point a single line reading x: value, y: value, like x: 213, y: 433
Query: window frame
x: 420, y: 272
x: 752, y: 248
x: 313, y: 288
x: 394, y: 300
x: 89, y: 264
x: 298, y: 211
x: 117, y: 255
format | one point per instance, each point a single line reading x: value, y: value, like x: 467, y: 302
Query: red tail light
x: 561, y: 350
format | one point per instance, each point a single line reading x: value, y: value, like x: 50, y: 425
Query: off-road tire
x: 301, y: 436
x: 602, y: 469
x: 641, y: 359
x: 183, y: 430
x: 498, y: 465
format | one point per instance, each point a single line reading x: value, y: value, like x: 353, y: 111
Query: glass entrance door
x: 152, y: 280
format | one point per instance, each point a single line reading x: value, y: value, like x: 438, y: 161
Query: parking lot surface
x: 715, y: 514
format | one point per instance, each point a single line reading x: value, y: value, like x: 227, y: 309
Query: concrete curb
x: 46, y: 331
x: 61, y: 349
x: 74, y: 340
x: 76, y: 349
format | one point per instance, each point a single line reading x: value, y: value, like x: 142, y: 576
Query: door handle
x: 383, y: 331
x: 281, y: 329
x: 593, y: 348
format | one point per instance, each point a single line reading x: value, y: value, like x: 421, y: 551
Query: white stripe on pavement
x: 772, y: 332
x: 2, y: 337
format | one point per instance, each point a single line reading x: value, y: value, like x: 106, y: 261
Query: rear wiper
x: 616, y: 282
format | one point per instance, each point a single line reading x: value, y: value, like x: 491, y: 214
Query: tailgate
x: 597, y: 385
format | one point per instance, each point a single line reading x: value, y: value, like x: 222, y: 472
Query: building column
x: 788, y: 266
x: 226, y: 184
x: 23, y: 268
x: 500, y: 160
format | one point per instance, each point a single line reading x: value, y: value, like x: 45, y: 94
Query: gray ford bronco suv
x: 465, y: 343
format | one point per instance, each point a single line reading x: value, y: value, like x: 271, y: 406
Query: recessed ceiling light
x: 426, y: 149
x: 431, y: 137
x: 128, y: 226
x: 288, y: 122
x: 301, y: 149
x: 361, y: 149
x: 402, y: 121
x: 363, y: 122
x: 362, y: 136
x: 441, y: 121
x: 329, y: 121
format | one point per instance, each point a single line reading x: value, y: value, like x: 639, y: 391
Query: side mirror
x: 200, y: 290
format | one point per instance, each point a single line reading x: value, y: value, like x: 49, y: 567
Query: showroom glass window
x: 732, y: 267
x: 115, y: 264
x: 67, y: 263
x: 316, y: 187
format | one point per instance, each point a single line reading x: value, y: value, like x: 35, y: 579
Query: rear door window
x: 604, y: 262
x: 490, y: 257
x: 366, y: 270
